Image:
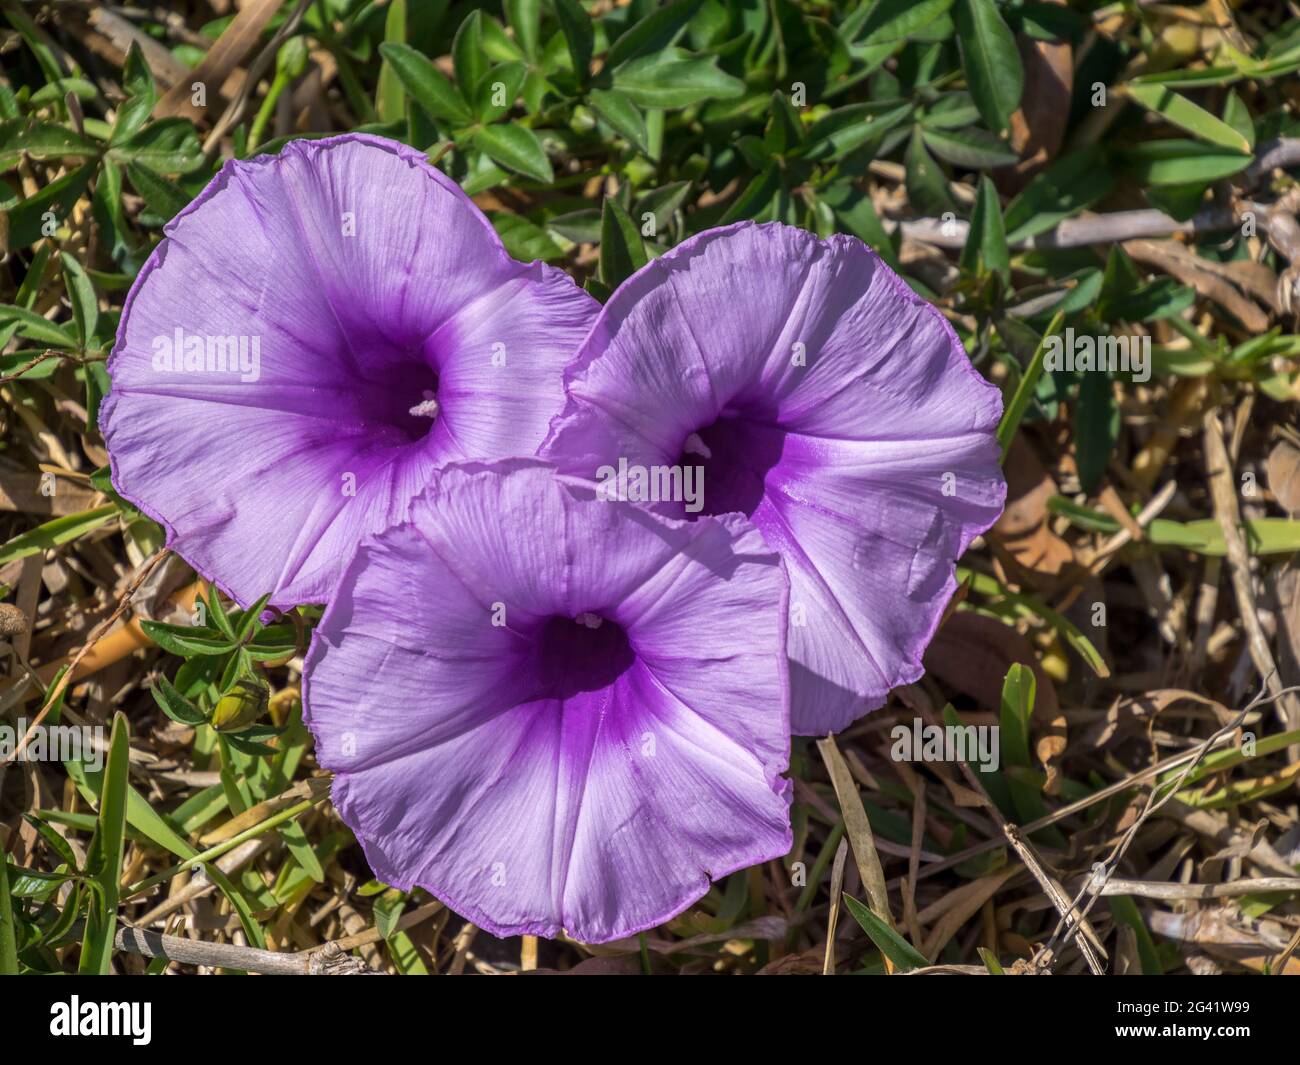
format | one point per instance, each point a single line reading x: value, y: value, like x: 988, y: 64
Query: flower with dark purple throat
x: 554, y: 711
x: 823, y: 399
x: 317, y: 333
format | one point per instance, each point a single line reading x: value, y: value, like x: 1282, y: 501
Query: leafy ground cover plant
x: 1098, y: 198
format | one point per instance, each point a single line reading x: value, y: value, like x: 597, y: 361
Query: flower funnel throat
x: 552, y: 711
x: 318, y: 332
x: 823, y: 399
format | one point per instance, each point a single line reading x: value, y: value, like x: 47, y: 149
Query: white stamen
x: 427, y: 409
x: 592, y: 621
x: 695, y: 446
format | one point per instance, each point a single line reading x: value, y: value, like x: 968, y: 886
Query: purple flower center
x: 735, y: 454
x: 399, y: 398
x: 583, y: 654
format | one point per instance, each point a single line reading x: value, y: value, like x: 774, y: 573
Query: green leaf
x: 499, y: 89
x: 1181, y: 112
x: 137, y: 78
x: 169, y: 146
x: 525, y: 18
x: 846, y: 129
x: 579, y: 35
x: 1018, y: 690
x: 674, y: 79
x: 622, y: 114
x: 165, y: 198
x: 40, y: 140
x: 1060, y: 191
x: 927, y: 186
x: 1096, y: 428
x: 389, y: 99
x: 1237, y: 115
x: 104, y: 856
x: 1182, y: 162
x: 60, y: 530
x: 986, y: 243
x: 1126, y: 912
x: 990, y: 60
x: 894, y: 20
x: 467, y: 55
x: 654, y: 33
x: 1015, y: 410
x: 856, y: 213
x: 524, y: 240
x: 186, y: 640
x: 661, y: 204
x: 81, y: 294
x: 972, y: 148
x: 892, y: 945
x: 175, y: 705
x: 8, y: 935
x: 515, y: 148
x: 142, y: 94
x: 622, y: 251
x: 36, y: 327
x: 429, y: 87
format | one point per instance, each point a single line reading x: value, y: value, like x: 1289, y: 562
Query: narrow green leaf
x: 60, y: 530
x: 986, y: 243
x: 1018, y: 690
x: 169, y: 146
x: 41, y: 140
x: 467, y: 56
x: 622, y: 251
x: 622, y: 114
x: 894, y: 20
x: 1015, y: 410
x: 8, y: 934
x: 175, y: 705
x: 390, y: 103
x: 1182, y: 162
x: 674, y: 79
x: 657, y: 31
x: 1097, y: 425
x: 972, y: 148
x: 429, y: 87
x: 164, y: 197
x: 499, y: 89
x: 990, y: 60
x: 1180, y: 111
x: 525, y: 18
x: 515, y: 148
x: 186, y: 640
x: 579, y: 36
x: 892, y: 945
x: 104, y: 857
x: 81, y: 294
x: 36, y: 327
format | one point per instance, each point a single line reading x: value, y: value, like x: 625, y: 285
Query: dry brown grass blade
x: 857, y: 828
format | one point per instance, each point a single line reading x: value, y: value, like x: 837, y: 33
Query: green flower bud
x: 242, y: 706
x: 291, y: 60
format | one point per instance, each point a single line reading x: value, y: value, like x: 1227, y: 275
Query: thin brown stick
x: 1173, y: 890
x: 1228, y: 513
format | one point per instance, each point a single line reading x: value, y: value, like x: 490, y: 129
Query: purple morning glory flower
x: 554, y: 711
x: 316, y: 334
x: 799, y: 382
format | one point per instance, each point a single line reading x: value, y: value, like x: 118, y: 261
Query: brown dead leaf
x: 1038, y: 126
x: 1028, y: 548
x: 1283, y: 472
x: 973, y: 652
